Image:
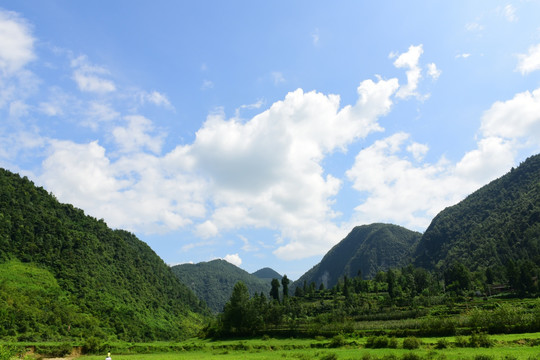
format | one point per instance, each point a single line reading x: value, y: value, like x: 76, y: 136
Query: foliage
x: 497, y: 225
x: 96, y: 281
x: 411, y: 343
x: 366, y: 249
x: 213, y: 281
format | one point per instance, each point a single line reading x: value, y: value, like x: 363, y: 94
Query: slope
x: 368, y: 249
x: 213, y: 281
x: 497, y: 223
x: 267, y: 274
x: 113, y: 283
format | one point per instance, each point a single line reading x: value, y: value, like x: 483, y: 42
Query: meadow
x: 475, y: 347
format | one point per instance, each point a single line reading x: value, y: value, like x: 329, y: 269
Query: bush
x: 337, y: 341
x: 7, y: 352
x: 330, y: 356
x: 461, y: 342
x: 411, y: 343
x: 93, y: 345
x: 442, y: 344
x: 57, y: 351
x: 377, y: 342
x: 393, y: 343
x: 411, y: 356
x: 480, y: 340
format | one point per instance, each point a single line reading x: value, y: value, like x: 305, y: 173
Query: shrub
x: 393, y: 343
x: 330, y: 356
x: 7, y: 352
x: 93, y: 345
x: 480, y: 340
x: 442, y: 344
x: 411, y: 343
x: 460, y: 341
x: 411, y: 356
x: 337, y: 341
x: 377, y: 342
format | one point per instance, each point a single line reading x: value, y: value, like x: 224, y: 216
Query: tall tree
x: 274, y: 292
x: 285, y: 282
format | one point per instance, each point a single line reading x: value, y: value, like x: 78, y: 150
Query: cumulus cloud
x: 518, y: 117
x: 136, y: 136
x: 90, y: 78
x: 16, y: 43
x: 140, y: 192
x: 409, y: 60
x: 233, y: 259
x: 399, y: 191
x: 529, y: 62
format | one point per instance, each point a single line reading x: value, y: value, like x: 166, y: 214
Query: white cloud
x: 135, y: 136
x: 418, y: 150
x: 233, y: 259
x: 157, y: 99
x: 433, y: 71
x: 398, y: 191
x: 139, y: 192
x: 518, y: 117
x: 409, y: 60
x: 16, y: 43
x: 463, y: 56
x: 529, y: 62
x: 89, y: 77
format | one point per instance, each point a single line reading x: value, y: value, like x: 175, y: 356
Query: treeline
x: 397, y: 294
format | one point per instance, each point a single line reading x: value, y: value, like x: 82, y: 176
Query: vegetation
x: 214, y: 280
x: 495, y: 230
x: 67, y: 275
x: 367, y: 250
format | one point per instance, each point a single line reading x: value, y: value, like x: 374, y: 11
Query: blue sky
x: 262, y: 132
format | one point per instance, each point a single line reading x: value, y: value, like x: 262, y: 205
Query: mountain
x: 367, y: 248
x: 267, y: 274
x: 213, y: 281
x: 65, y: 275
x: 497, y: 223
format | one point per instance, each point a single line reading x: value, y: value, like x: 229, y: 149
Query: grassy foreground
x: 515, y: 346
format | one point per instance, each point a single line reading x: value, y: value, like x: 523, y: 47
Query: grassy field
x: 515, y: 346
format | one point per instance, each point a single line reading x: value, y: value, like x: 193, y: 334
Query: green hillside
x: 496, y: 225
x: 103, y: 282
x: 368, y: 249
x: 267, y: 274
x: 213, y: 281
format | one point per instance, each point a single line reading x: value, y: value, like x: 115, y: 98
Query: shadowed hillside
x: 368, y: 249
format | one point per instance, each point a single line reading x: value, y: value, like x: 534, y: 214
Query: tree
x: 274, y: 292
x: 285, y: 282
x: 239, y: 314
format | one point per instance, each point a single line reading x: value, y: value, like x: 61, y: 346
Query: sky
x: 263, y: 132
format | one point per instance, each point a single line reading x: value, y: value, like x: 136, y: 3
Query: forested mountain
x: 65, y: 274
x: 368, y: 249
x: 213, y: 281
x: 497, y: 225
x: 267, y: 274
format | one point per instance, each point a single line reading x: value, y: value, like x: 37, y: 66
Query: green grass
x: 515, y: 346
